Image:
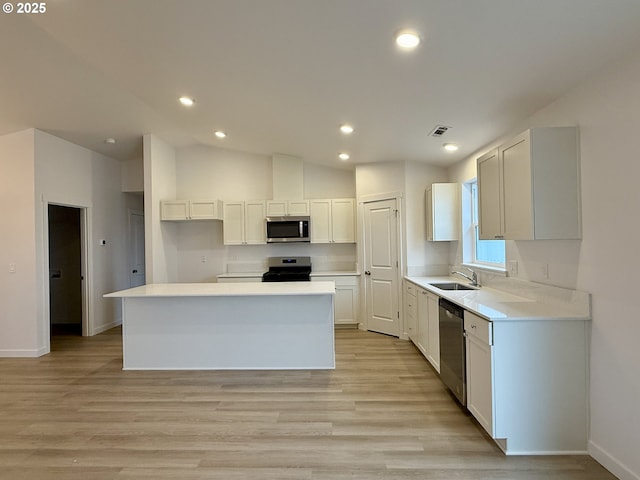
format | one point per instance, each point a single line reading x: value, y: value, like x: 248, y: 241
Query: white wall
x: 606, y: 262
x: 18, y: 300
x: 159, y: 184
x: 194, y: 251
x: 423, y: 257
x: 67, y: 174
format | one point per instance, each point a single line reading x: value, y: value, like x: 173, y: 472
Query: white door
x: 136, y: 248
x: 381, y: 266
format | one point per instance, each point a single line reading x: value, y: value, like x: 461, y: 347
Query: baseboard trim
x: 25, y: 353
x: 611, y: 463
x: 104, y: 328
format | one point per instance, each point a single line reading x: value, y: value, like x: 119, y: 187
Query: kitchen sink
x: 452, y: 286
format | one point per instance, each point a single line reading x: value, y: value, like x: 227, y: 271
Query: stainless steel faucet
x: 473, y: 278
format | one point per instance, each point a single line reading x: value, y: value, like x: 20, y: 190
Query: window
x: 483, y: 252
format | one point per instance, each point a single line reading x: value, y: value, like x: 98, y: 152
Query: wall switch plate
x: 12, y: 268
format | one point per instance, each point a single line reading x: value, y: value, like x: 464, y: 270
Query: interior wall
x: 606, y: 261
x: 67, y: 174
x: 210, y: 172
x: 159, y: 184
x: 18, y: 300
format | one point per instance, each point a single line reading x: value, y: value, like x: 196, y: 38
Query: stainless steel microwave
x: 287, y: 229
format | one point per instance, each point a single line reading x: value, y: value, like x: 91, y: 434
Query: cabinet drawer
x: 410, y: 288
x: 478, y: 327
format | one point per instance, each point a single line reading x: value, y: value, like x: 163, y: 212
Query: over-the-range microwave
x: 288, y: 229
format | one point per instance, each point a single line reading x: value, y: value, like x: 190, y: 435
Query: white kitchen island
x: 225, y: 326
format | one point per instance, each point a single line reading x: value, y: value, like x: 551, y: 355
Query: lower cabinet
x: 346, y: 299
x: 479, y: 369
x: 527, y: 383
x: 421, y: 314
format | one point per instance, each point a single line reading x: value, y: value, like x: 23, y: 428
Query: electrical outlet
x: 545, y: 270
x: 203, y: 259
x: 513, y: 267
x: 12, y: 268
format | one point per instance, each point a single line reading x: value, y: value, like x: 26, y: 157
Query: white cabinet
x: 332, y: 220
x: 433, y: 335
x: 479, y: 369
x: 244, y: 223
x: 528, y: 188
x: 282, y: 208
x: 443, y: 211
x: 411, y: 311
x: 427, y: 326
x: 182, y: 210
x: 527, y: 382
x: 346, y: 299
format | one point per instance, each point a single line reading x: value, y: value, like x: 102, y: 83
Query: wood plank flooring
x: 381, y: 414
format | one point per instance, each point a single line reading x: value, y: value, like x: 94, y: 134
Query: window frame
x: 473, y: 230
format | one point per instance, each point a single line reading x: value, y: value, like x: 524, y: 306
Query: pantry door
x: 381, y: 266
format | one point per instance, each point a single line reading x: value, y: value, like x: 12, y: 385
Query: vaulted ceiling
x: 283, y: 75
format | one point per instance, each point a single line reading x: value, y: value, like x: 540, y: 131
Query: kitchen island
x: 213, y: 326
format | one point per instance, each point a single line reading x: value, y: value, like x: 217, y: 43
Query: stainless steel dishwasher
x: 452, y: 349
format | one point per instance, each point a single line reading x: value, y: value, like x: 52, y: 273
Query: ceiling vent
x: 439, y: 130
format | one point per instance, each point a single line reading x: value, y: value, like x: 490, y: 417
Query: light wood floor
x: 381, y: 414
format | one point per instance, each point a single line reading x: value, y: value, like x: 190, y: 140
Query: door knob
x: 367, y: 272
x: 135, y: 271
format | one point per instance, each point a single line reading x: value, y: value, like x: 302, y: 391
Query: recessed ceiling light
x: 344, y: 156
x: 407, y: 39
x: 220, y: 134
x: 450, y: 147
x: 110, y: 141
x: 346, y: 129
x: 187, y: 101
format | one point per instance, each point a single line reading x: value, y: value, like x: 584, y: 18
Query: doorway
x: 136, y: 248
x: 381, y: 262
x: 65, y: 270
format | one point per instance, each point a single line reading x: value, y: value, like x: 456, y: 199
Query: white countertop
x: 497, y: 305
x: 226, y: 289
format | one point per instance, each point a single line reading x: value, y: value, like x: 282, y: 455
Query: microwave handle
x: 300, y: 228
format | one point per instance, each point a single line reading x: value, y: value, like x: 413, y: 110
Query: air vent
x: 439, y: 131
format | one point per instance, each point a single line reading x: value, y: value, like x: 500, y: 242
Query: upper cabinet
x: 182, y: 210
x: 244, y: 223
x: 332, y: 220
x: 528, y: 188
x: 282, y: 208
x: 443, y: 211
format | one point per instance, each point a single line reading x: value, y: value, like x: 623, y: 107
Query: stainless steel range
x: 288, y: 269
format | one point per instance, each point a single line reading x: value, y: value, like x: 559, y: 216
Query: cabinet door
x: 433, y: 336
x: 345, y: 304
x: 479, y: 352
x: 320, y: 213
x: 276, y: 208
x: 174, y: 210
x: 445, y: 212
x: 423, y: 321
x: 343, y: 220
x: 515, y: 157
x: 205, y: 210
x: 480, y: 382
x: 490, y: 196
x: 255, y: 229
x: 298, y: 207
x: 233, y: 223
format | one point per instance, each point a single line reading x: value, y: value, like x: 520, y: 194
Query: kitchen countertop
x: 226, y: 289
x: 498, y: 305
